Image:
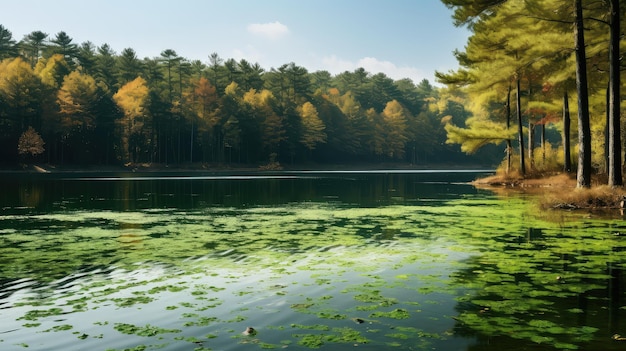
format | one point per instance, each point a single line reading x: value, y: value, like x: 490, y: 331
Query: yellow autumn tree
x: 395, y: 129
x: 204, y: 101
x: 23, y: 94
x: 132, y: 99
x: 52, y: 70
x: 312, y: 126
x: 272, y: 126
x: 77, y: 98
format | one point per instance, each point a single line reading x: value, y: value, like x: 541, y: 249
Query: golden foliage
x: 75, y: 98
x: 312, y: 126
x: 204, y: 98
x: 231, y: 89
x: 132, y: 97
x: 395, y: 130
x: 20, y: 87
x: 52, y: 70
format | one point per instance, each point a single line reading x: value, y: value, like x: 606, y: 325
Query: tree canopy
x: 541, y: 53
x: 91, y: 104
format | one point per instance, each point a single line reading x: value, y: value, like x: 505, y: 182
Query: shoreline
x: 559, y: 191
x: 247, y: 169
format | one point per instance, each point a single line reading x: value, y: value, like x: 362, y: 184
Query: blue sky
x: 401, y: 38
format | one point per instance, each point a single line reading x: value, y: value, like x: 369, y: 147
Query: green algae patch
x: 398, y: 313
x: 147, y: 330
x: 36, y: 314
x: 136, y: 348
x: 58, y: 328
x: 331, y: 315
x: 336, y: 336
x: 312, y: 341
x: 321, y: 327
x: 131, y: 301
x: 374, y: 296
x: 347, y: 335
x: 201, y: 322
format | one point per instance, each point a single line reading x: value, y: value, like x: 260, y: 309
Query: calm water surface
x: 394, y: 260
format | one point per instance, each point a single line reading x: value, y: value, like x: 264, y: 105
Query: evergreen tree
x: 106, y: 67
x: 128, y: 66
x: 8, y: 46
x: 32, y: 46
x: 86, y: 57
x: 62, y: 44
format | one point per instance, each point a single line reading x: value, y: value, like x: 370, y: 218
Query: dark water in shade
x: 386, y: 260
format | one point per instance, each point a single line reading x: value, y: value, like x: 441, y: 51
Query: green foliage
x: 520, y: 44
x: 477, y: 134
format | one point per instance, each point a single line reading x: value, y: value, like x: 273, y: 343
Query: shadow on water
x: 132, y: 191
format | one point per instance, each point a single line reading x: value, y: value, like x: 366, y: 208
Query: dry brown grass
x: 596, y: 197
x: 558, y: 190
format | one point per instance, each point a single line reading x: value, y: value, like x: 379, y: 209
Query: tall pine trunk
x: 520, y: 130
x: 583, y: 175
x: 567, y: 156
x: 614, y: 137
x: 531, y: 144
x: 509, y: 148
x: 543, y: 144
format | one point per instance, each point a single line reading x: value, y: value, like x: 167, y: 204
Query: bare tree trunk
x: 520, y: 131
x: 583, y: 175
x: 531, y: 144
x: 543, y: 144
x: 567, y: 157
x: 191, y: 142
x: 615, y: 150
x: 509, y: 148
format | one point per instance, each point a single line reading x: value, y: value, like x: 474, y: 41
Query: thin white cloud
x: 272, y: 30
x: 372, y: 65
x: 335, y: 65
x: 250, y: 54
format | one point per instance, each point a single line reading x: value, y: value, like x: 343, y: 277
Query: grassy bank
x: 558, y: 191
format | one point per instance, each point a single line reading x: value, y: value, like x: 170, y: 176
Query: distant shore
x: 233, y: 168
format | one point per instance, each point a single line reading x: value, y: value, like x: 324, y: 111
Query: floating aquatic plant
x: 147, y: 330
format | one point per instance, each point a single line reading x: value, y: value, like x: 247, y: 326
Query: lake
x: 378, y: 260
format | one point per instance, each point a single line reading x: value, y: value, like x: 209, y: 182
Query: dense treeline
x: 523, y: 62
x: 65, y: 103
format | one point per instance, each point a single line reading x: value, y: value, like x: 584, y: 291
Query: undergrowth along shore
x: 558, y: 190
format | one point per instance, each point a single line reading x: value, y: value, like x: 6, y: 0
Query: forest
x: 64, y: 103
x: 523, y: 63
